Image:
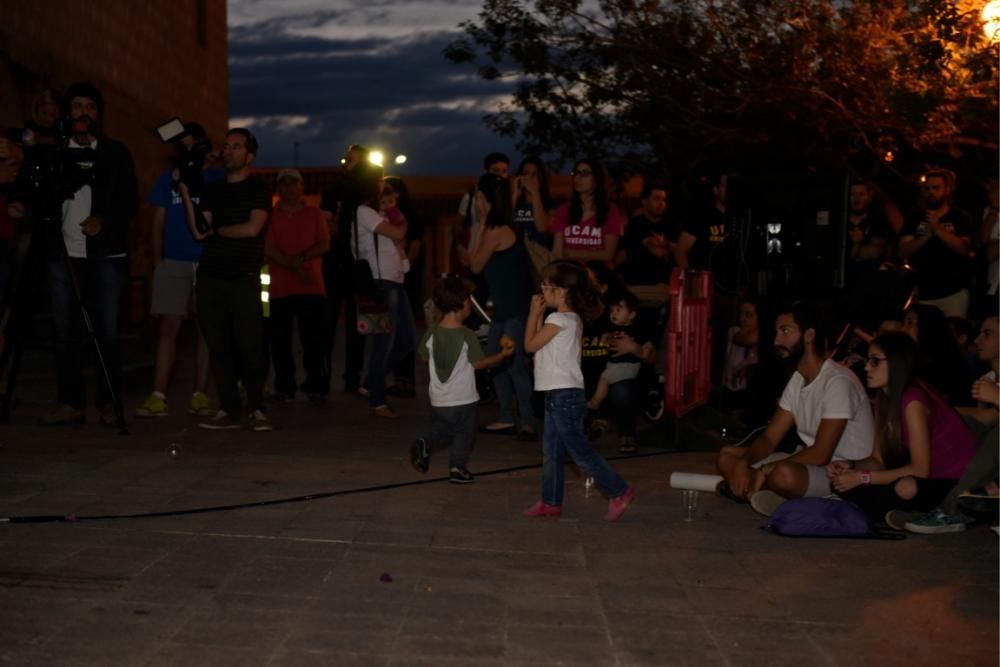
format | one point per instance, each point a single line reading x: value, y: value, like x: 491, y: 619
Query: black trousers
x: 310, y: 310
x: 878, y: 499
x: 229, y: 310
x: 340, y: 294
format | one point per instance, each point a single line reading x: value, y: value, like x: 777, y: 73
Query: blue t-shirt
x: 177, y: 240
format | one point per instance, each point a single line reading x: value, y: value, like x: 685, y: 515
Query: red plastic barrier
x: 688, y: 342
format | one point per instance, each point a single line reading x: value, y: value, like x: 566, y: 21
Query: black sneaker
x: 420, y: 455
x: 460, y: 476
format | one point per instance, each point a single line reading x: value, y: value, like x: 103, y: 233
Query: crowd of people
x: 886, y: 415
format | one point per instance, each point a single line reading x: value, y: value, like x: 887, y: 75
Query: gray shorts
x: 819, y: 483
x: 618, y: 372
x: 173, y: 288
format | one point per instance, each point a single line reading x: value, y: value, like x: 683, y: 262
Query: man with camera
x: 99, y: 199
x: 176, y: 254
x: 235, y: 211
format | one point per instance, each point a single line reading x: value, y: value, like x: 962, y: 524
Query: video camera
x: 52, y: 171
x: 189, y: 159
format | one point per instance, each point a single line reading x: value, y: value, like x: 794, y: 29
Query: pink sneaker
x: 541, y: 509
x: 617, y: 506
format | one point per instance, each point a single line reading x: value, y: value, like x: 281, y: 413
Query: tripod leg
x: 91, y: 333
x: 112, y: 394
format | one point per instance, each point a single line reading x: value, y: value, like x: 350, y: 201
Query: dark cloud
x: 397, y: 94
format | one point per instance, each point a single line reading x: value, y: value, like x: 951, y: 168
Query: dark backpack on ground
x: 824, y: 517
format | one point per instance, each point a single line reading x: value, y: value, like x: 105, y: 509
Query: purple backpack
x: 824, y: 517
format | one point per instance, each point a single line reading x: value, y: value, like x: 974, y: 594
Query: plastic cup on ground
x: 690, y: 504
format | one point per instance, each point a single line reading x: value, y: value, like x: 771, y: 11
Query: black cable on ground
x: 72, y: 518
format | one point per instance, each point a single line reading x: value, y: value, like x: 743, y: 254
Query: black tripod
x: 19, y: 314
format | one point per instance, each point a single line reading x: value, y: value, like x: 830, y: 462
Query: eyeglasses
x: 874, y: 361
x: 548, y: 287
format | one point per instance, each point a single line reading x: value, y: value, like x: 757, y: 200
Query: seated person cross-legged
x: 826, y: 405
x: 922, y: 446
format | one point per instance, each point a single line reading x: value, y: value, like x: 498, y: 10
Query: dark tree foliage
x: 669, y: 85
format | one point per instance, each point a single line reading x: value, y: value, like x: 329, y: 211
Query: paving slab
x: 433, y: 573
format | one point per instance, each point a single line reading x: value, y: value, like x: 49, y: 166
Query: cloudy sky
x: 328, y: 73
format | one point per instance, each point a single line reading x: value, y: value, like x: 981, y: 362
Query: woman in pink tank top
x: 922, y: 445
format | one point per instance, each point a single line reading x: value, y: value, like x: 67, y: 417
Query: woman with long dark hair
x: 922, y: 444
x: 589, y: 225
x: 393, y: 187
x: 498, y: 253
x: 533, y: 201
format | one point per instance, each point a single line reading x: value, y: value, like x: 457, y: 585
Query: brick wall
x: 152, y: 60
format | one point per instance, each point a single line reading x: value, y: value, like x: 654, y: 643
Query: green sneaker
x: 938, y: 521
x: 201, y: 405
x: 153, y: 406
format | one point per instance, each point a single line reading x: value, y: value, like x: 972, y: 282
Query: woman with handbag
x: 384, y: 310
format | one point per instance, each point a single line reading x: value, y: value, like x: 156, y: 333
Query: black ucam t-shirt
x: 231, y: 204
x: 940, y: 271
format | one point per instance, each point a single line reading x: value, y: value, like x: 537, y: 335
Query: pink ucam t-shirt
x: 586, y: 235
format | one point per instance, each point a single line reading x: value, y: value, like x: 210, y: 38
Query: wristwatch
x: 866, y: 478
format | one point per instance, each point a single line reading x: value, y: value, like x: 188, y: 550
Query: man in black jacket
x: 93, y: 251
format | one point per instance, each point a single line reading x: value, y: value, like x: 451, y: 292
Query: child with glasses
x: 555, y: 341
x: 922, y: 445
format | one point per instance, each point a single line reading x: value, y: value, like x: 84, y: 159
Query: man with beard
x: 227, y: 289
x: 826, y: 405
x: 92, y: 254
x: 937, y: 245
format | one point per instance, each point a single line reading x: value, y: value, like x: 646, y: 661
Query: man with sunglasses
x: 825, y: 403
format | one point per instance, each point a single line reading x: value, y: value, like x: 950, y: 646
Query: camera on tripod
x: 51, y: 172
x: 189, y: 158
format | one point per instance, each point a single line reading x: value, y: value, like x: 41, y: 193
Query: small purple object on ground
x: 386, y: 578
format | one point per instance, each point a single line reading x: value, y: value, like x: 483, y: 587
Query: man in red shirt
x: 296, y: 240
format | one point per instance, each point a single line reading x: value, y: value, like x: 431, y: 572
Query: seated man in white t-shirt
x: 823, y: 401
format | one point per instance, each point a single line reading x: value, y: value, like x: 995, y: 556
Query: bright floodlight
x: 400, y: 159
x: 991, y: 20
x: 376, y: 158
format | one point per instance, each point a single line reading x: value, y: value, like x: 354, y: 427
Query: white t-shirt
x: 75, y: 211
x: 557, y: 364
x: 459, y: 388
x: 78, y: 209
x: 389, y: 265
x: 836, y: 393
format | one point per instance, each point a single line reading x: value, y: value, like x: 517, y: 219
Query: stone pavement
x: 472, y: 582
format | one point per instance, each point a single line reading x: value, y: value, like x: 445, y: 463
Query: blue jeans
x: 101, y: 282
x: 389, y: 348
x: 565, y: 410
x: 512, y: 376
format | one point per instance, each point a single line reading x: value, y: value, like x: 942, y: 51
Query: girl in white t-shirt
x: 556, y: 343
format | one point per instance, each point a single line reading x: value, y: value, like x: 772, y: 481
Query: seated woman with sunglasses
x: 922, y: 445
